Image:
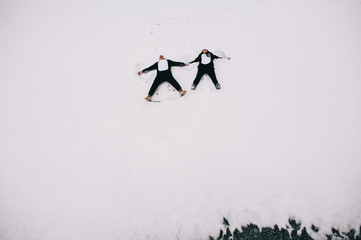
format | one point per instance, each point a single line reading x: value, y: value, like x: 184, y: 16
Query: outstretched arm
x: 198, y: 59
x: 180, y: 64
x: 216, y: 57
x: 148, y: 69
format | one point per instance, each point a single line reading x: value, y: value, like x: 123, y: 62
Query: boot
x: 193, y: 87
x: 218, y: 86
x: 148, y: 98
x: 182, y: 92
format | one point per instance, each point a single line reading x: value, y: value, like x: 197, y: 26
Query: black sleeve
x: 198, y: 59
x: 215, y: 56
x: 153, y: 67
x: 172, y: 63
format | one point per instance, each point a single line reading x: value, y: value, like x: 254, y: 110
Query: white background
x: 83, y: 156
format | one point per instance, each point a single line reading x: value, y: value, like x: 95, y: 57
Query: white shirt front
x: 205, y: 59
x: 162, y: 65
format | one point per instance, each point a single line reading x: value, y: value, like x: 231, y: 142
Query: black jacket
x: 199, y: 59
x: 170, y: 65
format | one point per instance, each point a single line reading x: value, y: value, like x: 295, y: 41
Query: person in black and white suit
x: 164, y: 74
x: 206, y: 66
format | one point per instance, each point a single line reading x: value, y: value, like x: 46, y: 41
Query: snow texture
x: 84, y: 157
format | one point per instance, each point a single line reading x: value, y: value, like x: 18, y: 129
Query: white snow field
x: 84, y: 157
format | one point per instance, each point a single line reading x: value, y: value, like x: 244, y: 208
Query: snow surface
x: 83, y: 156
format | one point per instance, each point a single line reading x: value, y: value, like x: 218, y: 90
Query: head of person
x: 204, y: 50
x: 161, y: 57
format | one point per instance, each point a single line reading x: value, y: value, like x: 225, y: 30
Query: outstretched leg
x: 154, y: 86
x: 198, y: 77
x: 213, y: 77
x: 174, y: 83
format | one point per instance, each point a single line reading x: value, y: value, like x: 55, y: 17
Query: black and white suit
x: 163, y: 75
x: 205, y: 67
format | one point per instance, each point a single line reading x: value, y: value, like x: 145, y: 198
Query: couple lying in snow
x: 163, y: 66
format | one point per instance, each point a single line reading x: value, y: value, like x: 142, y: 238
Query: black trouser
x: 205, y: 70
x: 161, y: 78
